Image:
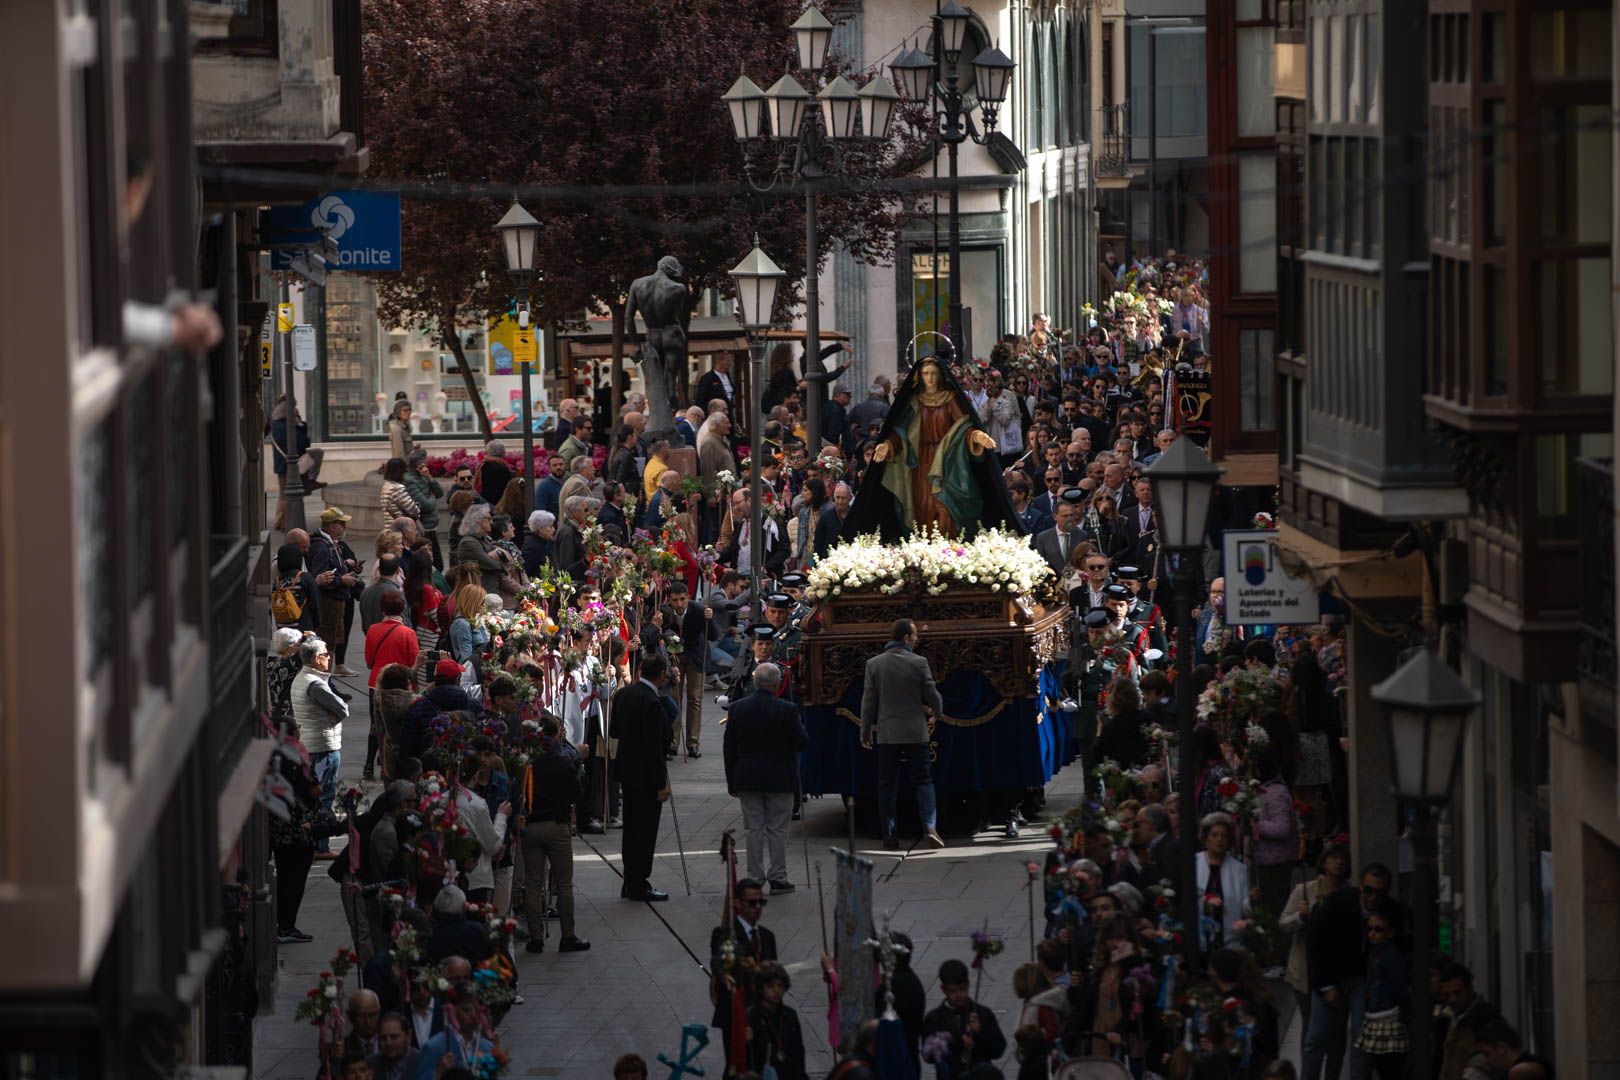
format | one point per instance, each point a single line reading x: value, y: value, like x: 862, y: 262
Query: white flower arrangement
x: 998, y: 560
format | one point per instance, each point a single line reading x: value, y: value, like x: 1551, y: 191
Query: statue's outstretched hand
x: 881, y: 453
x: 980, y: 440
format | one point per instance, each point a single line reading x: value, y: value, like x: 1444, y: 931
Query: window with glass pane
x: 1496, y: 349
x: 1257, y: 223
x: 1353, y: 73
x: 1257, y: 381
x: 1460, y: 176
x: 1575, y: 177
x: 1319, y: 64
x: 1568, y: 43
x: 1336, y: 71
x: 1494, y: 68
x: 1556, y: 505
x: 1494, y: 149
x: 1572, y: 298
x: 1372, y: 74
x: 1256, y: 100
x: 351, y: 356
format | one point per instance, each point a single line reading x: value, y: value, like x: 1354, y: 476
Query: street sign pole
x: 294, y: 489
x: 525, y: 353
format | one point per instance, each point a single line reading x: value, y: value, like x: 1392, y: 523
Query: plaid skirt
x: 1383, y: 1033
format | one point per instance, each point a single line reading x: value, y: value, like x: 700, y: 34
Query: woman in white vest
x: 320, y: 712
x: 1229, y: 895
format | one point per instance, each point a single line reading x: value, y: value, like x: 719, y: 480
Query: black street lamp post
x: 1183, y: 485
x: 520, y: 233
x: 757, y: 279
x: 809, y: 153
x: 934, y: 80
x: 1427, y: 706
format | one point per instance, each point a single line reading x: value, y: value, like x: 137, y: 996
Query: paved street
x: 638, y: 985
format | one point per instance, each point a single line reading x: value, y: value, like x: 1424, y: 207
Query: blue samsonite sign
x: 365, y: 225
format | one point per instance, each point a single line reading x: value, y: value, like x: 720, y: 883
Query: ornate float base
x: 996, y: 660
x: 1006, y: 639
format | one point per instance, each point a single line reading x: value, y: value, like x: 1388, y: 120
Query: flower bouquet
x: 930, y: 563
x: 1231, y: 704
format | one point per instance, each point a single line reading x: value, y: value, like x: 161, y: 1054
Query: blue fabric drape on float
x: 985, y: 743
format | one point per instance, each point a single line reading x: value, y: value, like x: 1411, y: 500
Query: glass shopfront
x: 368, y: 368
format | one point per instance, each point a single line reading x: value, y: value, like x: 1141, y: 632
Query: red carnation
x: 1228, y: 788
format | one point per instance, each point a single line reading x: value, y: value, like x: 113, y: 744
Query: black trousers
x: 292, y: 874
x: 641, y: 813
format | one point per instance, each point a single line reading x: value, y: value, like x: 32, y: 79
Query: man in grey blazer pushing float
x: 898, y: 700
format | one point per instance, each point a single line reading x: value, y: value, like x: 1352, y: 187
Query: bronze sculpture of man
x: 664, y: 304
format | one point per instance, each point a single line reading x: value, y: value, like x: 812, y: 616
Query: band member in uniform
x: 761, y: 639
x: 1144, y: 612
x: 1117, y: 601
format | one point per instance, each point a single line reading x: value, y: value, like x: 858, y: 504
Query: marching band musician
x: 1117, y: 602
x: 1143, y: 611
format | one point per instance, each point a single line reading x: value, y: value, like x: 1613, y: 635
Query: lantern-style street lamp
x: 1184, y: 482
x: 756, y: 279
x: 520, y: 236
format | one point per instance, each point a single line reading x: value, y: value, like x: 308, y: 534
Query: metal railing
x: 1113, y: 145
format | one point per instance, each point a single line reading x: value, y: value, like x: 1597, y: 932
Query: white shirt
x: 422, y: 1025
x: 725, y: 381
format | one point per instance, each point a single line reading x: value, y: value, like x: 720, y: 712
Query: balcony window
x: 1569, y: 44
x: 1257, y: 222
x: 1182, y: 105
x: 1496, y: 306
x: 1494, y: 152
x: 1555, y: 477
x: 1372, y: 76
x: 1575, y: 176
x: 1257, y: 380
x: 1256, y: 100
x: 1319, y: 65
x: 1577, y: 339
x: 1337, y: 75
x: 1495, y: 60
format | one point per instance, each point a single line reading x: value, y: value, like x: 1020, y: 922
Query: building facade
x: 133, y: 864
x: 1444, y: 364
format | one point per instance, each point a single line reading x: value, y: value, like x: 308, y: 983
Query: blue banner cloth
x: 984, y: 742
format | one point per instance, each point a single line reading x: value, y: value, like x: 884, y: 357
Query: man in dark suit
x: 747, y: 940
x: 1208, y: 647
x: 1033, y: 520
x: 1163, y: 852
x: 1088, y: 595
x: 1141, y: 525
x: 643, y: 729
x: 716, y: 384
x: 394, y: 1059
x: 764, y: 736
x: 1056, y: 545
x: 695, y: 625
x: 898, y: 699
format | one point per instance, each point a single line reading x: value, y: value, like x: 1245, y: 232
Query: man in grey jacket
x: 898, y: 700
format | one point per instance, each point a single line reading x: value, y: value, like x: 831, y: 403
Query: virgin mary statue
x: 933, y: 466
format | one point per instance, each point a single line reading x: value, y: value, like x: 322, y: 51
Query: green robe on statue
x: 936, y: 485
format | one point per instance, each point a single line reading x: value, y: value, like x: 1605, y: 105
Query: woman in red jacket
x: 390, y: 641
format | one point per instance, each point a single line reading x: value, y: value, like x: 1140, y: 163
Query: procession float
x: 933, y: 537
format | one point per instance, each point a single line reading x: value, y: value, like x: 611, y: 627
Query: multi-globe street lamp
x: 932, y: 79
x: 809, y: 144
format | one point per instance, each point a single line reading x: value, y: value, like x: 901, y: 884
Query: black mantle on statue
x: 875, y: 509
